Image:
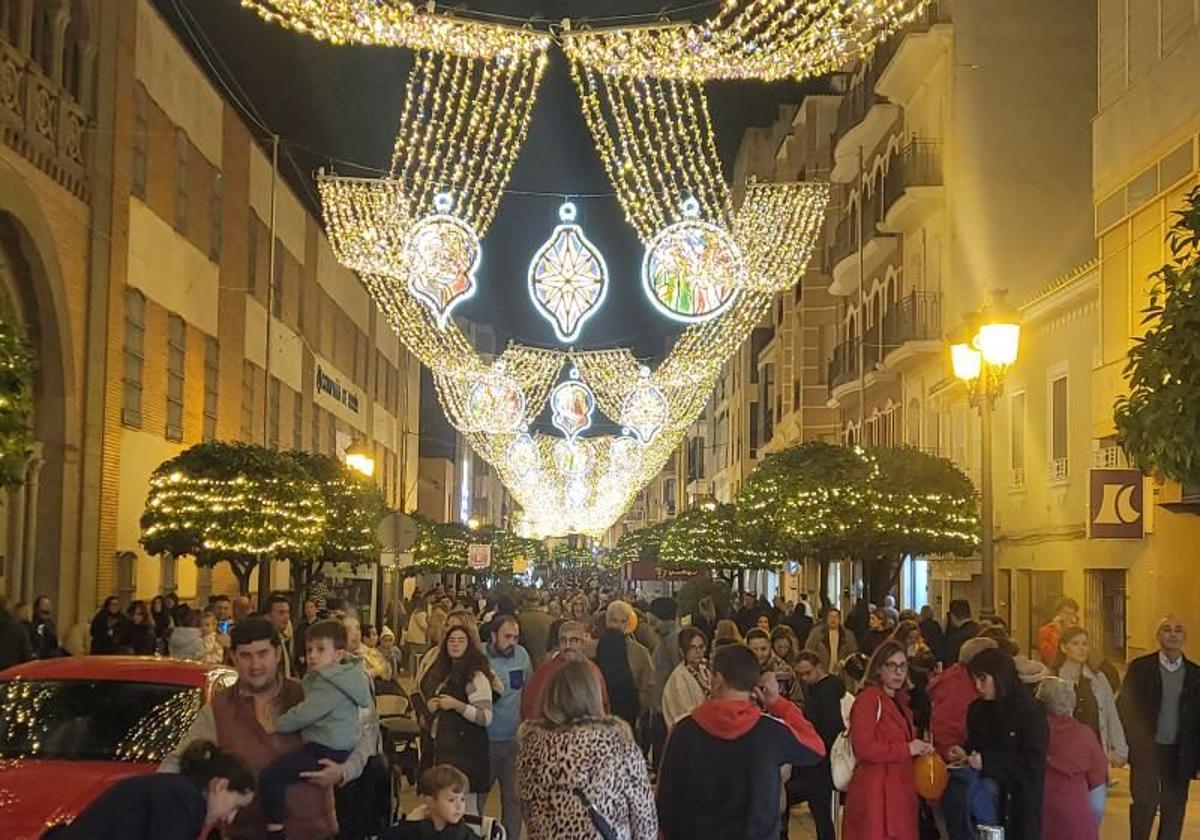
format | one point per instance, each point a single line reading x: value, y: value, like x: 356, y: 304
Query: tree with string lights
x: 714, y: 539
x: 16, y: 402
x: 233, y: 502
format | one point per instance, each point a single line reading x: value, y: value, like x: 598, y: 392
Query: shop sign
x: 1116, y: 500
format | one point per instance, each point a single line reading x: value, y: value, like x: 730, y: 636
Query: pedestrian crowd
x: 598, y: 714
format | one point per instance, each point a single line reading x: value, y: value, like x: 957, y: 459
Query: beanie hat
x: 973, y: 647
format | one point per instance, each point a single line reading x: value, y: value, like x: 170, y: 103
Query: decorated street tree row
x: 244, y: 504
x: 828, y: 503
x: 443, y: 547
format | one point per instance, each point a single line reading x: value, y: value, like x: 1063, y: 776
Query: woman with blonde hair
x: 579, y: 772
x: 727, y: 633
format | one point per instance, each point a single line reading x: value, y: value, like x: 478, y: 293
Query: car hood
x: 36, y: 793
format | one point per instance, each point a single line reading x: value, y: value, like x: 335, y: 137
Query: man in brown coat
x: 234, y: 720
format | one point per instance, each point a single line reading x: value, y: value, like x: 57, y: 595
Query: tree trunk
x: 823, y: 589
x: 242, y: 572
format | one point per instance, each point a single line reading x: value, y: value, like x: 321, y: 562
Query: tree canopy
x: 715, y: 539
x: 353, y: 507
x: 235, y: 502
x: 16, y: 402
x: 1157, y: 423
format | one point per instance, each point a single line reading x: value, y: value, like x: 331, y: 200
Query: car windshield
x: 94, y: 720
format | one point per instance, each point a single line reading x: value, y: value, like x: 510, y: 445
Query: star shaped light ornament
x: 568, y: 278
x: 442, y: 254
x: 692, y: 269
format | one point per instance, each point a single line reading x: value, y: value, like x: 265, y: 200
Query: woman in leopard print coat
x: 577, y: 755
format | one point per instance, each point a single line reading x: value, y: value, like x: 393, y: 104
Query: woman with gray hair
x: 1075, y: 765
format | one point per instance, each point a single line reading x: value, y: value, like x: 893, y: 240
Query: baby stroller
x: 401, y: 735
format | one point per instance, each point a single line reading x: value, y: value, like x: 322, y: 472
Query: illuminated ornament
x: 572, y: 458
x: 523, y: 456
x: 441, y: 255
x: 692, y: 269
x: 571, y: 404
x: 645, y: 408
x: 567, y: 277
x: 624, y: 454
x: 496, y: 403
x: 577, y: 493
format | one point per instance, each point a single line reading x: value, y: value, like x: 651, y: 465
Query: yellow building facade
x: 138, y: 251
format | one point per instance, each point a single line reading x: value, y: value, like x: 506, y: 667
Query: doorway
x: 1105, y: 611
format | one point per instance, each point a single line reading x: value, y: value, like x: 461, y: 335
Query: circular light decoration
x: 496, y: 403
x: 568, y: 278
x: 523, y: 456
x: 571, y: 404
x: 572, y: 458
x: 645, y: 409
x: 692, y: 269
x: 442, y: 254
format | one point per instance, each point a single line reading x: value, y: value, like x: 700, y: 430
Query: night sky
x: 338, y: 107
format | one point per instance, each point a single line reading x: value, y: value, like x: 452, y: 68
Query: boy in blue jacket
x: 335, y: 688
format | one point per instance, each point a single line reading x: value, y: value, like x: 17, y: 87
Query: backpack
x: 841, y: 756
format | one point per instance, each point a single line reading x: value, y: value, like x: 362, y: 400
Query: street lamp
x: 358, y: 458
x: 981, y: 352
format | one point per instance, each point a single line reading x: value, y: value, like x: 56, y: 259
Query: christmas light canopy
x: 496, y: 403
x: 692, y: 269
x: 568, y: 278
x: 442, y: 255
x: 523, y: 456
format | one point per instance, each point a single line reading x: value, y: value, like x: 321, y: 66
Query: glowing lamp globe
x: 930, y: 776
x: 966, y: 360
x: 998, y: 343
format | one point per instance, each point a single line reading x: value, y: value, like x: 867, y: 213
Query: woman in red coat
x: 1075, y: 763
x: 881, y: 803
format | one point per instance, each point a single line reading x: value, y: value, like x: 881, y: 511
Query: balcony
x: 912, y: 188
x: 42, y: 121
x: 1058, y: 471
x: 843, y: 367
x: 913, y: 52
x: 877, y: 247
x: 912, y: 328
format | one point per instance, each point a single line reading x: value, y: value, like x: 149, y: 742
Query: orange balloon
x: 930, y: 776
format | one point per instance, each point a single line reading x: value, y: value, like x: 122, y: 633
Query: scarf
x: 701, y: 675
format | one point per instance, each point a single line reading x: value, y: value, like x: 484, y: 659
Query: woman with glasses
x: 882, y: 800
x: 1007, y: 737
x: 689, y: 684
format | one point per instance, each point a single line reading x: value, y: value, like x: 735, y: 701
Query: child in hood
x: 335, y: 688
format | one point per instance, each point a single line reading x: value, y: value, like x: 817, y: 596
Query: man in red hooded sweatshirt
x: 721, y: 771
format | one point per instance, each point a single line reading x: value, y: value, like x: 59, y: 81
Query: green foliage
x: 715, y: 539
x: 443, y: 548
x: 353, y: 508
x: 1158, y: 423
x: 233, y: 501
x: 701, y: 586
x: 828, y: 502
x: 16, y: 402
x: 642, y: 544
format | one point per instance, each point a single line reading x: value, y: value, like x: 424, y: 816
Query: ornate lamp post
x: 981, y: 352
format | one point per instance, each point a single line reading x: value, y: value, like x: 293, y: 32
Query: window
x: 331, y: 427
x: 181, y: 180
x: 140, y: 142
x: 297, y: 422
x: 135, y: 355
x: 274, y: 395
x: 1058, y: 428
x: 252, y: 256
x: 212, y: 372
x: 248, y: 377
x: 176, y: 352
x: 1016, y: 438
x: 216, y: 206
x: 315, y: 440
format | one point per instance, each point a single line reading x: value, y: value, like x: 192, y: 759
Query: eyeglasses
x: 896, y: 667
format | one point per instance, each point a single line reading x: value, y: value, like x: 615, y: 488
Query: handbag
x: 841, y: 756
x: 599, y: 822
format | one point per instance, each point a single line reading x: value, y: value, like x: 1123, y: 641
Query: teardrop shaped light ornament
x: 523, y: 456
x: 496, y: 403
x: 572, y: 458
x: 692, y: 270
x: 576, y: 493
x: 571, y: 406
x: 644, y: 411
x: 624, y: 454
x: 568, y: 278
x: 442, y: 254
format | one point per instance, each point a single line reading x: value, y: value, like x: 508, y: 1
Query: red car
x: 71, y: 727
